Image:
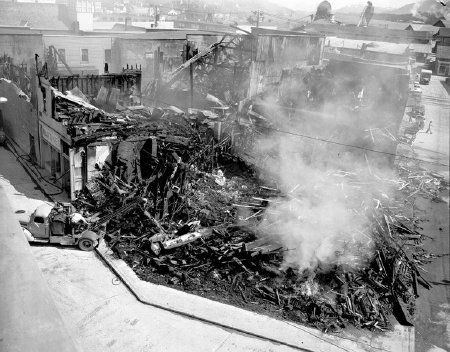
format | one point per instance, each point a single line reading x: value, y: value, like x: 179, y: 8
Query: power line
x: 338, y: 143
x: 354, y: 146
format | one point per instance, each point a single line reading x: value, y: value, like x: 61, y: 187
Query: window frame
x: 108, y: 59
x: 62, y: 53
x: 87, y: 55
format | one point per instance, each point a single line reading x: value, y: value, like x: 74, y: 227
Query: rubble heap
x: 194, y: 225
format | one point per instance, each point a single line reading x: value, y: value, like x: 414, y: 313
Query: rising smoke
x: 326, y: 188
x: 435, y: 8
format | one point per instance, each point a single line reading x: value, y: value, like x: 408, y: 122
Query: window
x: 62, y: 55
x: 108, y: 55
x: 64, y: 148
x: 32, y: 147
x: 38, y: 219
x: 55, y: 161
x: 44, y: 98
x: 84, y: 55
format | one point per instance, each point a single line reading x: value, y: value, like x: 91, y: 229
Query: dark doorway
x: 147, y: 160
x: 32, y: 148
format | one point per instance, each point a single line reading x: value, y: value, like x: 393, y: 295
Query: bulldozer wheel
x: 86, y: 244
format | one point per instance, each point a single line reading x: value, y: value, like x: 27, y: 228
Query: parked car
x: 416, y: 90
x: 425, y: 76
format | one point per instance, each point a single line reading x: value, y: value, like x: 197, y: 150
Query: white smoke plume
x: 436, y: 8
x: 316, y: 220
x: 414, y: 10
x: 320, y: 219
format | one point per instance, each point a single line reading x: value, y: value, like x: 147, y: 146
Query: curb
x: 229, y: 317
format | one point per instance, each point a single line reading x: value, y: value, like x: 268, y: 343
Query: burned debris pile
x: 183, y: 210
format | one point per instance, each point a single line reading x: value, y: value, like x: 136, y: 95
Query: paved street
x: 99, y: 311
x: 433, y: 310
x: 104, y: 316
x: 435, y: 146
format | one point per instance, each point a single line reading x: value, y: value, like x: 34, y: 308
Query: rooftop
x: 166, y: 35
x: 444, y: 32
x: 442, y: 23
x: 368, y: 32
x: 13, y: 30
x: 423, y: 27
x: 421, y: 48
x: 350, y: 19
x: 378, y: 46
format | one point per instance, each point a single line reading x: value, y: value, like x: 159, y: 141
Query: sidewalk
x: 29, y: 320
x: 41, y: 177
x: 433, y: 306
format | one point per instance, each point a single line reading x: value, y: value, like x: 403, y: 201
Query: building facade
x: 443, y: 52
x: 84, y: 54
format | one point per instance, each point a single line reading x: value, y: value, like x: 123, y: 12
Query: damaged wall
x: 140, y: 50
x: 19, y: 118
x: 277, y: 53
x: 135, y: 51
x: 21, y: 45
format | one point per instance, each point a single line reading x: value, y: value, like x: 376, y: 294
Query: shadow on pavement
x: 446, y: 86
x: 13, y: 174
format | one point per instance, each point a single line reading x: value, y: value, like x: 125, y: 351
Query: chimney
x: 76, y: 27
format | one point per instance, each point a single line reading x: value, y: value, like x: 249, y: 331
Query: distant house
x: 443, y: 52
x: 422, y: 27
x: 422, y: 50
x: 442, y: 24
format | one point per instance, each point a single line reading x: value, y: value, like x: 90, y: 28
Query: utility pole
x: 258, y: 14
x: 155, y: 7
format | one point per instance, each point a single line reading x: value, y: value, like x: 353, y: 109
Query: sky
x: 309, y: 5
